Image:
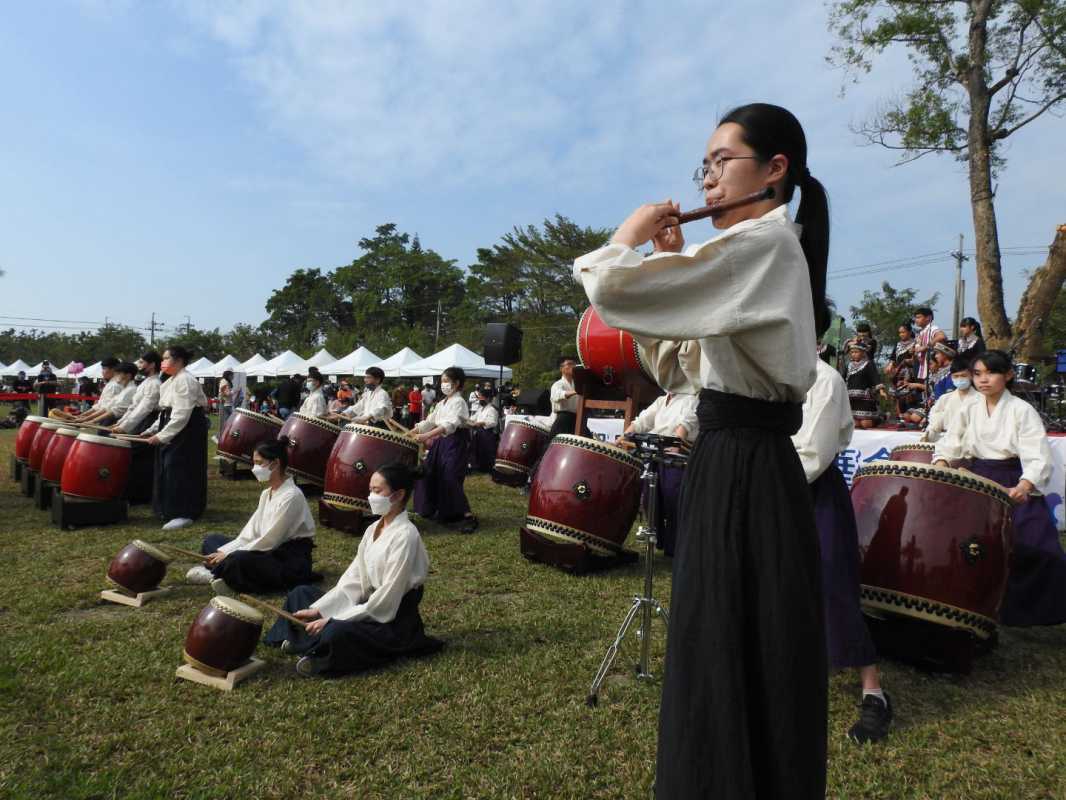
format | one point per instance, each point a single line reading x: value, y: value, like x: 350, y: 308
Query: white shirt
x: 375, y: 406
x: 107, y: 394
x: 675, y: 366
x: 667, y: 412
x: 180, y: 394
x: 827, y: 423
x: 944, y: 411
x: 560, y: 402
x: 486, y: 416
x: 281, y: 515
x: 451, y: 413
x: 1013, y: 430
x: 314, y: 405
x: 145, y: 401
x: 428, y: 396
x: 745, y: 295
x: 120, y: 403
x: 384, y: 570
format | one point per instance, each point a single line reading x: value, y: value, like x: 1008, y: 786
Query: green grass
x: 90, y: 707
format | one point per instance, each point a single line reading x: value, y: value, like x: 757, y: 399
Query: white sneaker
x: 199, y: 574
x: 177, y: 523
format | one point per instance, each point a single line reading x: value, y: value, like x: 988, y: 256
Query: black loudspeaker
x: 503, y: 344
x: 534, y: 401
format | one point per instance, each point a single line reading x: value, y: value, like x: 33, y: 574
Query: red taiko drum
x: 138, y: 567
x: 244, y: 431
x: 55, y: 455
x: 358, y: 451
x: 223, y: 636
x: 311, y: 441
x: 520, y: 446
x: 96, y: 468
x: 25, y: 436
x: 935, y: 544
x: 610, y: 353
x: 45, y: 432
x: 918, y: 452
x: 585, y: 492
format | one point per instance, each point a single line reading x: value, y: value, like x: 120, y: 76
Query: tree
x: 983, y: 70
x: 245, y: 340
x: 887, y: 309
x: 305, y: 310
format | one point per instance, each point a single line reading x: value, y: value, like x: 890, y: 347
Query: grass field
x: 90, y: 707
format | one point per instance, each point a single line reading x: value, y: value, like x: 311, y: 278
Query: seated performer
x: 1005, y: 441
x: 370, y: 617
x: 864, y: 383
x: 439, y: 493
x: 484, y: 440
x: 145, y: 406
x: 108, y: 393
x: 374, y: 405
x: 272, y: 553
x: 315, y: 404
x: 826, y: 431
x: 971, y: 340
x: 950, y: 404
x: 120, y: 400
x: 670, y: 415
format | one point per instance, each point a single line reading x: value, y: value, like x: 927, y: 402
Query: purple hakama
x: 440, y: 493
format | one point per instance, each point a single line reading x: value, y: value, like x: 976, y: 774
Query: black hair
x: 972, y: 323
x: 152, y: 357
x: 376, y: 372
x: 109, y: 363
x: 228, y: 374
x: 275, y: 450
x: 400, y: 476
x: 910, y: 328
x: 862, y: 327
x: 486, y: 391
x: 961, y: 363
x: 127, y: 368
x: 315, y: 375
x: 996, y: 362
x: 179, y: 353
x: 457, y: 376
x: 770, y: 130
x: 562, y: 359
x: 925, y: 311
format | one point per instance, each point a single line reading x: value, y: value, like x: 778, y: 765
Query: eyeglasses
x: 715, y: 167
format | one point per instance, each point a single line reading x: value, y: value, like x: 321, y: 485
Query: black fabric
x: 745, y: 689
x: 288, y: 394
x: 180, y: 487
x: 354, y: 646
x: 565, y: 422
x: 286, y: 566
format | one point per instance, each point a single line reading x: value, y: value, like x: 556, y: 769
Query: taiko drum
x: 357, y: 453
x: 55, y: 455
x: 45, y: 432
x: 138, y: 567
x: 310, y: 442
x: 245, y: 430
x: 223, y: 636
x: 610, y: 353
x: 97, y: 468
x: 24, y: 438
x: 918, y: 452
x: 520, y: 446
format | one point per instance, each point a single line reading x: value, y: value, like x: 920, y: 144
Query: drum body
x: 610, y: 353
x: 919, y: 453
x: 935, y: 545
x: 585, y: 492
x: 520, y: 446
x: 138, y: 567
x: 311, y: 441
x: 357, y: 453
x: 45, y: 432
x: 245, y: 430
x: 97, y: 468
x: 24, y: 438
x: 55, y: 455
x: 223, y: 636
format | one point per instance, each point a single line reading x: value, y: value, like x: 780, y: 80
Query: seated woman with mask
x: 273, y: 551
x: 370, y: 617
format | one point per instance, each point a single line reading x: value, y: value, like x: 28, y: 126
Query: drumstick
x: 255, y: 601
x: 179, y: 551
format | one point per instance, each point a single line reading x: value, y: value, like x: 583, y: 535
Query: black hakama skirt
x: 1036, y: 586
x: 439, y: 494
x: 353, y: 646
x: 745, y: 690
x: 483, y: 449
x: 847, y: 637
x: 260, y: 571
x: 180, y: 486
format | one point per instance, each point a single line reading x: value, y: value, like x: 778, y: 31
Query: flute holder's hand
x: 669, y: 240
x: 646, y: 223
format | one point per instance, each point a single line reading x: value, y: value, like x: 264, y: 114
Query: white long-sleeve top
x: 487, y: 416
x: 315, y: 405
x: 451, y: 413
x: 827, y: 422
x: 559, y: 400
x: 675, y: 366
x: 180, y: 395
x: 666, y: 413
x: 745, y: 295
x: 145, y: 401
x: 1013, y: 430
x: 944, y: 410
x: 107, y: 395
x: 121, y: 402
x: 375, y: 406
x: 281, y: 515
x: 384, y: 570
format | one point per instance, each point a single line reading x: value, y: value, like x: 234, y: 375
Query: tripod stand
x: 651, y: 450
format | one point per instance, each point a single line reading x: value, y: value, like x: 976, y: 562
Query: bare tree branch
x: 1000, y: 134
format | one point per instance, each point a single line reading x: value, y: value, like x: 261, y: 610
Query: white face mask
x: 379, y: 503
x: 447, y: 388
x: 261, y: 472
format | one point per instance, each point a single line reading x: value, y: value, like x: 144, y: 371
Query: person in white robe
x: 141, y: 414
x: 118, y: 399
x: 483, y: 427
x: 373, y: 406
x: 950, y: 404
x: 315, y: 404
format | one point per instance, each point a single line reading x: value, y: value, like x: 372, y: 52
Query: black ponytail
x: 771, y: 130
x: 400, y: 476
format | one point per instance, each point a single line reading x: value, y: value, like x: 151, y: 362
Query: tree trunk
x: 990, y: 307
x: 1040, y: 295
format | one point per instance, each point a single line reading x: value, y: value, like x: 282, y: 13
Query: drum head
x: 154, y: 552
x: 259, y: 417
x: 38, y: 420
x: 50, y: 426
x: 68, y: 432
x: 596, y: 446
x: 528, y: 423
x: 237, y: 609
x: 104, y: 440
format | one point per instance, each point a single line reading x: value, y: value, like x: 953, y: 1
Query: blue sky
x: 185, y: 158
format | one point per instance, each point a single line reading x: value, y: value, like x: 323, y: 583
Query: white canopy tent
x: 13, y: 369
x: 320, y: 359
x: 394, y: 365
x: 254, y: 361
x: 288, y: 363
x: 3, y: 367
x: 226, y: 362
x: 203, y: 368
x: 455, y: 356
x: 94, y: 371
x: 355, y: 363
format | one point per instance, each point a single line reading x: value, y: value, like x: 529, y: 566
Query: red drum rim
x: 104, y: 440
x: 599, y: 448
x: 928, y: 472
x: 259, y: 417
x: 321, y: 423
x: 38, y: 420
x: 378, y: 433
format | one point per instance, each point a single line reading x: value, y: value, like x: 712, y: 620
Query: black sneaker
x: 309, y: 666
x: 470, y: 524
x: 875, y: 718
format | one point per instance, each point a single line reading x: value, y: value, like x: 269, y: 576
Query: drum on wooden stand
x: 24, y: 438
x: 96, y: 468
x: 245, y: 430
x: 138, y: 567
x: 41, y: 439
x: 310, y: 442
x: 935, y: 546
x: 520, y: 446
x: 55, y: 455
x: 610, y: 353
x: 357, y: 453
x: 223, y: 636
x: 917, y: 452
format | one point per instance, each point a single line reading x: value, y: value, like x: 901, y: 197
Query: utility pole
x: 155, y: 326
x: 960, y: 288
x: 188, y: 325
x: 436, y: 338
